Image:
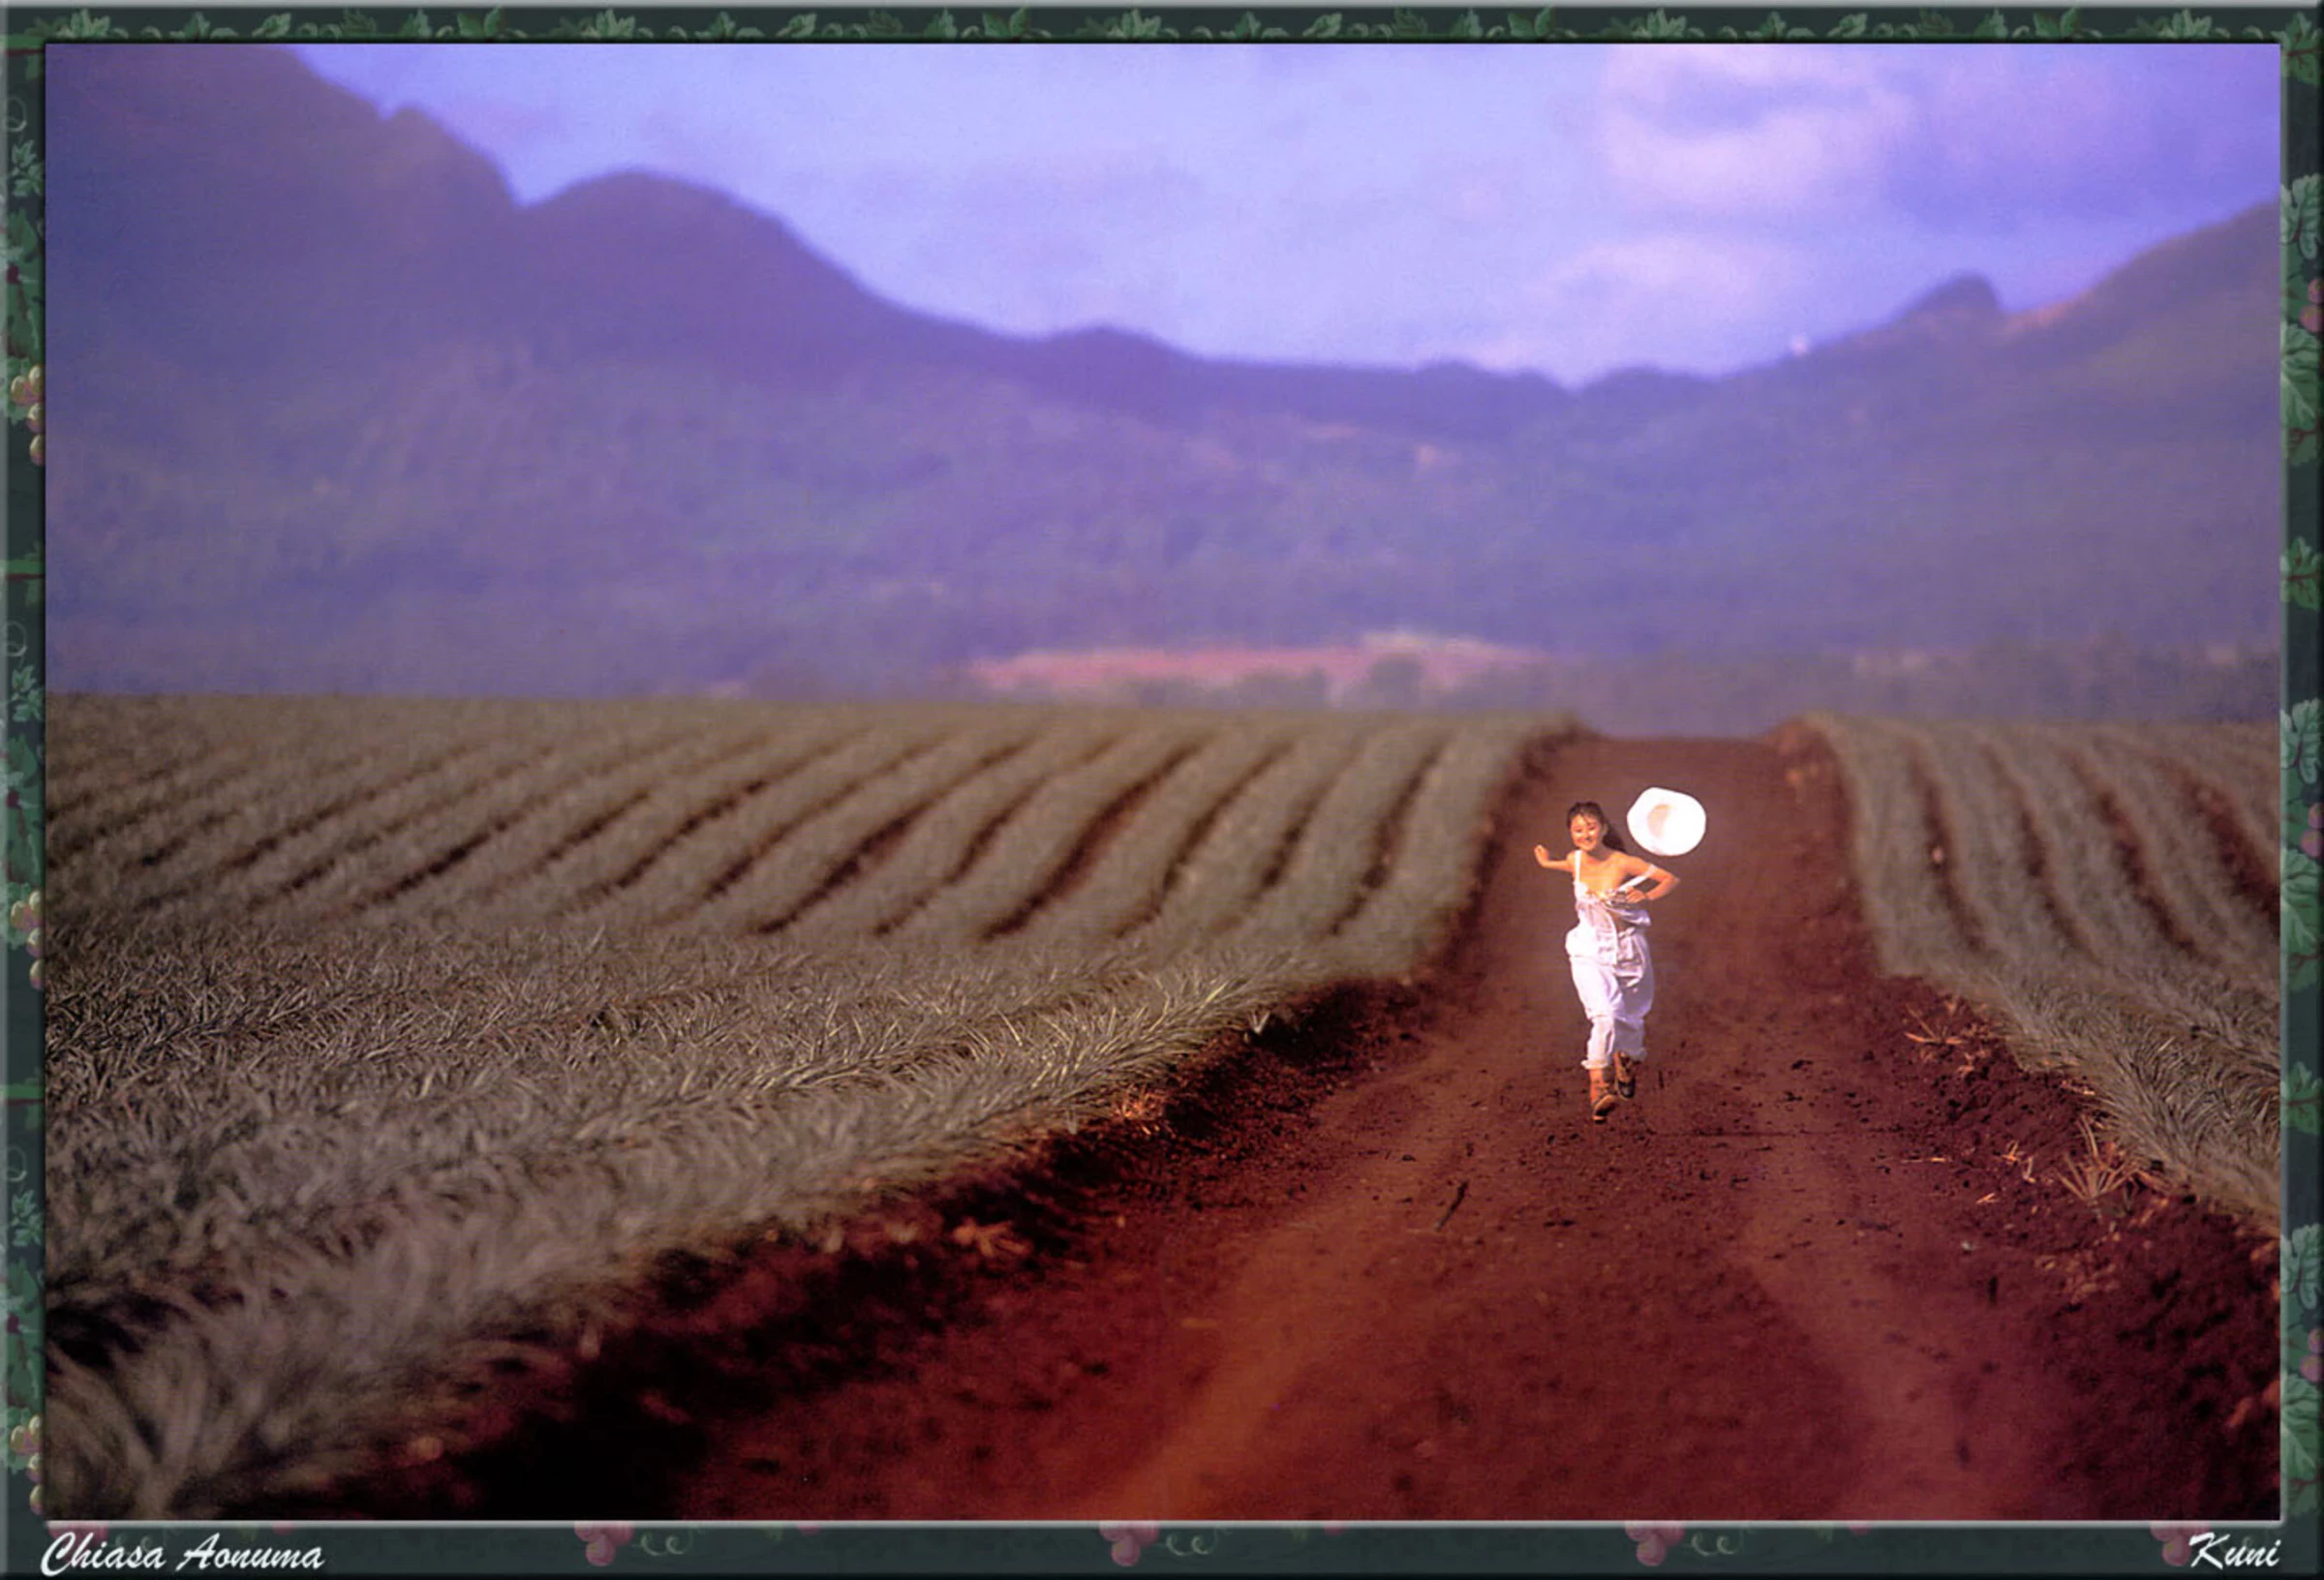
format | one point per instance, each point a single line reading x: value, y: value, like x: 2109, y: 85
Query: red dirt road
x: 1383, y: 1267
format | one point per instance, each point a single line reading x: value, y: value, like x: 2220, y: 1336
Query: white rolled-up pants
x: 1615, y: 979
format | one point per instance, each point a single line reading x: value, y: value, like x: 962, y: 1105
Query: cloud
x: 1692, y: 300
x: 1958, y: 137
x: 1725, y: 132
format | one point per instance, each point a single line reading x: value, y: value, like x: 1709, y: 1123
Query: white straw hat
x: 1666, y: 822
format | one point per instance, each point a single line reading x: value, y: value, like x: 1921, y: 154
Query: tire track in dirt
x: 1383, y: 1267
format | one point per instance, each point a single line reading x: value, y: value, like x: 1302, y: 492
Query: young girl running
x: 1614, y: 970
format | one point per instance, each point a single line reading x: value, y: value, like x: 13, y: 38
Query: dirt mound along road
x: 1385, y: 1268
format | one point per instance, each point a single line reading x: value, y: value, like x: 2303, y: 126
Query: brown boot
x: 1603, y: 1100
x: 1626, y: 1076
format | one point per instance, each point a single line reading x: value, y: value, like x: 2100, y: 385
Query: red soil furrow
x: 2132, y: 854
x: 1105, y: 827
x: 1943, y: 848
x: 789, y: 763
x: 261, y: 783
x: 2250, y: 866
x: 1174, y: 878
x: 499, y: 760
x: 874, y: 847
x: 1380, y: 1265
x: 607, y: 757
x: 2062, y: 917
x: 1387, y: 839
x: 763, y: 846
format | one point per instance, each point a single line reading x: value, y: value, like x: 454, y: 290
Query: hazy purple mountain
x: 330, y: 409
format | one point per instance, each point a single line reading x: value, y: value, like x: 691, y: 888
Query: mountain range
x: 331, y: 411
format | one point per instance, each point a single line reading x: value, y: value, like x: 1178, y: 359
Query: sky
x: 1572, y: 209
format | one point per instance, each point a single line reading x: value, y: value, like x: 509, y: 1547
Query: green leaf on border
x: 941, y: 26
x: 2303, y: 1099
x: 2301, y: 752
x: 2300, y: 1415
x: 2302, y: 205
x: 2303, y: 932
x: 2301, y: 44
x: 2303, y: 575
x: 2301, y: 397
x: 1540, y: 24
x: 2187, y: 25
x: 1853, y: 25
x: 2300, y: 1265
x: 24, y: 1322
x: 1657, y: 25
x: 20, y: 849
x: 27, y: 574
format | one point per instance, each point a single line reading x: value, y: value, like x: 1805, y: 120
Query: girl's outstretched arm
x: 1563, y: 863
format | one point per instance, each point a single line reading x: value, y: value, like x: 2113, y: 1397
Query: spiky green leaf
x: 1853, y: 25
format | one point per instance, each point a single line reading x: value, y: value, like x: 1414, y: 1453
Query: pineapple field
x: 721, y: 1111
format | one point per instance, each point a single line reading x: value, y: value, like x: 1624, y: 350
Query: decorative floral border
x: 2295, y: 31
x: 1230, y: 1548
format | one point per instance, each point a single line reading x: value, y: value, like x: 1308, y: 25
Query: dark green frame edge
x: 1076, y: 1548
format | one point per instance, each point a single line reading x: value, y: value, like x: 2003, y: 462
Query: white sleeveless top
x: 1604, y: 931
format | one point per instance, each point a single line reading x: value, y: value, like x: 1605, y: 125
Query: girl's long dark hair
x: 1590, y: 809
